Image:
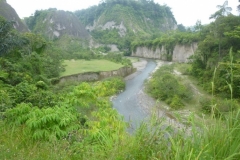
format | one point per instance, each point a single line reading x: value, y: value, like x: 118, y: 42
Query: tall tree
x: 224, y: 10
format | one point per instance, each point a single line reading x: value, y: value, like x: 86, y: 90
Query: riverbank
x: 149, y: 105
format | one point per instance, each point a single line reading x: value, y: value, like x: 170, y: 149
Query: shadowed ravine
x: 127, y: 103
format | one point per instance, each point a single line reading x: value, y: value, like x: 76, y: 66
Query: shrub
x: 206, y: 105
x: 46, y: 123
x: 176, y: 102
x: 41, y: 85
x: 165, y: 86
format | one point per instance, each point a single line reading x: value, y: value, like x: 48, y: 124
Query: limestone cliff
x: 10, y: 14
x: 145, y: 52
x: 128, y: 16
x: 180, y: 53
x: 53, y: 23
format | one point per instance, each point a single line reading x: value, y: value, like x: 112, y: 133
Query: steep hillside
x: 173, y: 46
x: 141, y: 16
x: 10, y: 14
x: 122, y: 21
x: 53, y: 23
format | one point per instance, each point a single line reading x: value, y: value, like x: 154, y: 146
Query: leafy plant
x: 165, y: 86
x: 46, y: 123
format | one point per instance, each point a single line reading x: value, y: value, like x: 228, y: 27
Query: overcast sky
x: 186, y: 12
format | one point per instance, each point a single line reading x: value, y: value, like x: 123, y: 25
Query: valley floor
x: 175, y: 118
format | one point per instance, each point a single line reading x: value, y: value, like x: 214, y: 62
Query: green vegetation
x: 141, y: 20
x: 69, y: 47
x: 213, y: 142
x: 165, y: 86
x: 128, y: 11
x: 53, y: 23
x: 39, y: 120
x: 213, y: 56
x: 80, y: 66
x: 169, y: 40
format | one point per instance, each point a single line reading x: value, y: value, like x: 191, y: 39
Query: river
x: 128, y: 103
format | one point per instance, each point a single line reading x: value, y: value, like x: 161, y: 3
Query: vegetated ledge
x: 95, y: 76
x: 180, y: 53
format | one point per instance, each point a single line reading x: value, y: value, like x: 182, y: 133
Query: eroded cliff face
x: 180, y: 53
x: 61, y: 22
x: 122, y: 30
x: 145, y: 52
x: 10, y: 14
x: 96, y: 76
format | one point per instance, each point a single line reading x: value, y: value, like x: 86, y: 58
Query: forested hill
x: 10, y: 14
x: 53, y: 23
x: 137, y: 16
x: 122, y: 21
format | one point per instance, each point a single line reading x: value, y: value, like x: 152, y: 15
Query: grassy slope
x: 81, y: 66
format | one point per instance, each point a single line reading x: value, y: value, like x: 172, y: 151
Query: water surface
x: 127, y: 103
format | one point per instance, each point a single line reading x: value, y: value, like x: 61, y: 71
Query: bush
x: 176, y: 102
x: 165, y: 86
x: 6, y: 101
x: 41, y: 85
x: 44, y: 124
x: 206, y: 105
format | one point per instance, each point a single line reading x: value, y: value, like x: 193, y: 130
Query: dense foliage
x: 138, y: 8
x: 214, y: 52
x: 166, y: 86
x: 141, y: 20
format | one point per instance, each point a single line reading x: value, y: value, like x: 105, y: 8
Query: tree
x: 224, y: 10
x: 238, y: 7
x: 198, y: 26
x: 36, y: 43
x: 5, y: 35
x: 181, y: 28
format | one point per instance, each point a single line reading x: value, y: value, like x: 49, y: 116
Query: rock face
x: 122, y: 30
x: 145, y: 52
x: 61, y: 22
x: 180, y: 53
x: 128, y: 17
x: 10, y: 14
x: 53, y: 23
x: 95, y: 76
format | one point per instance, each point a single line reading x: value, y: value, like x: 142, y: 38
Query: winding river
x: 128, y: 102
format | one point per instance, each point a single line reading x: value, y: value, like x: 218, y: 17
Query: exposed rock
x: 53, y: 23
x: 122, y: 30
x: 169, y: 25
x: 11, y: 15
x: 145, y: 52
x: 94, y: 76
x: 181, y: 53
x: 113, y: 47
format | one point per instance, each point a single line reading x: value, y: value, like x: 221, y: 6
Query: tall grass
x: 218, y: 140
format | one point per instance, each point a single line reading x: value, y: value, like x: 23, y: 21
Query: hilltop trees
x: 224, y: 10
x: 132, y: 20
x: 9, y: 39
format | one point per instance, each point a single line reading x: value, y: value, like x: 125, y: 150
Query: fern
x: 45, y: 123
x: 19, y: 114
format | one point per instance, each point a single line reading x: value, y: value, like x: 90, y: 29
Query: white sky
x: 186, y: 12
